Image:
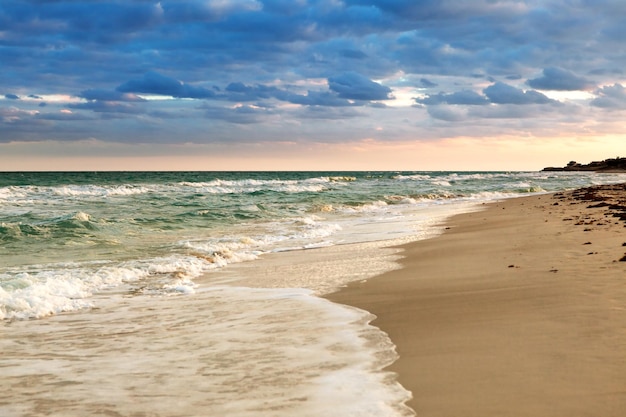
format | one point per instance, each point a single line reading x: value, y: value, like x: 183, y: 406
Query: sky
x: 310, y: 84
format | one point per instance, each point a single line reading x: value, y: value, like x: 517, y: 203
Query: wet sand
x: 518, y: 310
x: 221, y: 351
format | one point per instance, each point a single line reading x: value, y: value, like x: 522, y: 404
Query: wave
x: 342, y: 179
x: 15, y: 231
x: 100, y: 191
x: 52, y: 289
x: 38, y: 291
x: 369, y: 207
x: 311, y: 185
x: 39, y: 195
x: 66, y: 225
x: 295, y: 233
x: 413, y: 177
x: 31, y: 226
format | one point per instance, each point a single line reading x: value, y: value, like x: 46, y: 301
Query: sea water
x: 244, y: 256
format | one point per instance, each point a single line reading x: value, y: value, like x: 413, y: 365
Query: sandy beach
x: 517, y: 310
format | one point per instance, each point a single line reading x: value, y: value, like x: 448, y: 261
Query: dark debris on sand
x: 611, y: 198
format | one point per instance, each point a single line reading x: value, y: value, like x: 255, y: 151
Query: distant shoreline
x: 608, y: 165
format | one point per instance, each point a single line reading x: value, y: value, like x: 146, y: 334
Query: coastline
x: 517, y: 310
x: 257, y: 337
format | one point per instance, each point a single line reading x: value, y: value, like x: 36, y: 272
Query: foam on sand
x: 222, y: 351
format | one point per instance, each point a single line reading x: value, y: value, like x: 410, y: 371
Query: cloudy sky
x: 311, y: 84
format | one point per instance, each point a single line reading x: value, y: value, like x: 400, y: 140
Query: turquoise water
x: 90, y: 231
x: 196, y: 291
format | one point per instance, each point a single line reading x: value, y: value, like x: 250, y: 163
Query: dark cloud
x: 500, y: 93
x: 354, y: 86
x: 155, y: 83
x: 11, y: 97
x: 506, y: 102
x: 610, y: 97
x: 560, y: 80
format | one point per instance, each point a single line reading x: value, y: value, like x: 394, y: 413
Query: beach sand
x: 518, y: 310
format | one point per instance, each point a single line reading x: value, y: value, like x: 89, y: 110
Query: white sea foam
x: 225, y: 351
x: 99, y: 191
x: 279, y: 236
x: 313, y: 227
x: 51, y: 289
x: 42, y: 299
x: 219, y: 186
x: 487, y: 196
x: 80, y: 216
x: 414, y: 177
x: 11, y: 193
x: 375, y: 206
x: 342, y: 179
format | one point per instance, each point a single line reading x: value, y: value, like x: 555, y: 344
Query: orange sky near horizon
x: 459, y: 154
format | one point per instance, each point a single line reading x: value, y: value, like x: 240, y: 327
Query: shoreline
x: 518, y: 310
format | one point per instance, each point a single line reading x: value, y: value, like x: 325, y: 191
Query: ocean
x: 200, y: 293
